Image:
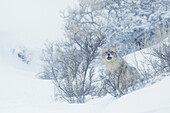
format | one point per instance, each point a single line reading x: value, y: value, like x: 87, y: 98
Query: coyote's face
x: 109, y: 54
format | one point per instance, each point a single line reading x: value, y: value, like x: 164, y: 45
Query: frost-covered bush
x: 23, y: 53
x: 158, y: 62
x: 126, y: 24
x: 162, y: 63
x: 70, y: 65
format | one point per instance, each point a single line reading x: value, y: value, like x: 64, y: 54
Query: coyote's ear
x: 115, y: 48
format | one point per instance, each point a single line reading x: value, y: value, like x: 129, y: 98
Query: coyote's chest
x: 113, y: 67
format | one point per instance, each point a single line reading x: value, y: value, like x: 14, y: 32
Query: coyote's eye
x: 112, y: 52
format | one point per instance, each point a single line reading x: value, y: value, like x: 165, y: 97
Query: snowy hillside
x: 153, y: 99
x: 20, y: 89
x: 22, y: 92
x: 28, y: 24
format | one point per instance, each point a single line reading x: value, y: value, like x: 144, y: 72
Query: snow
x: 151, y: 99
x: 22, y: 92
x: 29, y: 23
x: 21, y: 88
x: 32, y: 22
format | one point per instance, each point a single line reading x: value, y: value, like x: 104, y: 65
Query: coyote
x: 118, y: 69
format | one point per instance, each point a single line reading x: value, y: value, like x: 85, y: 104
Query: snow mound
x: 153, y: 99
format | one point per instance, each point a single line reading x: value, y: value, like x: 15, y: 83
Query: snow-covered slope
x: 21, y: 92
x: 20, y: 89
x: 152, y: 99
x: 29, y: 23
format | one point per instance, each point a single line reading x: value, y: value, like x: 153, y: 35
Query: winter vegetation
x: 75, y: 65
x: 22, y: 53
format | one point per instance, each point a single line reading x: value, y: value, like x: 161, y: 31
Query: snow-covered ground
x: 22, y: 92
